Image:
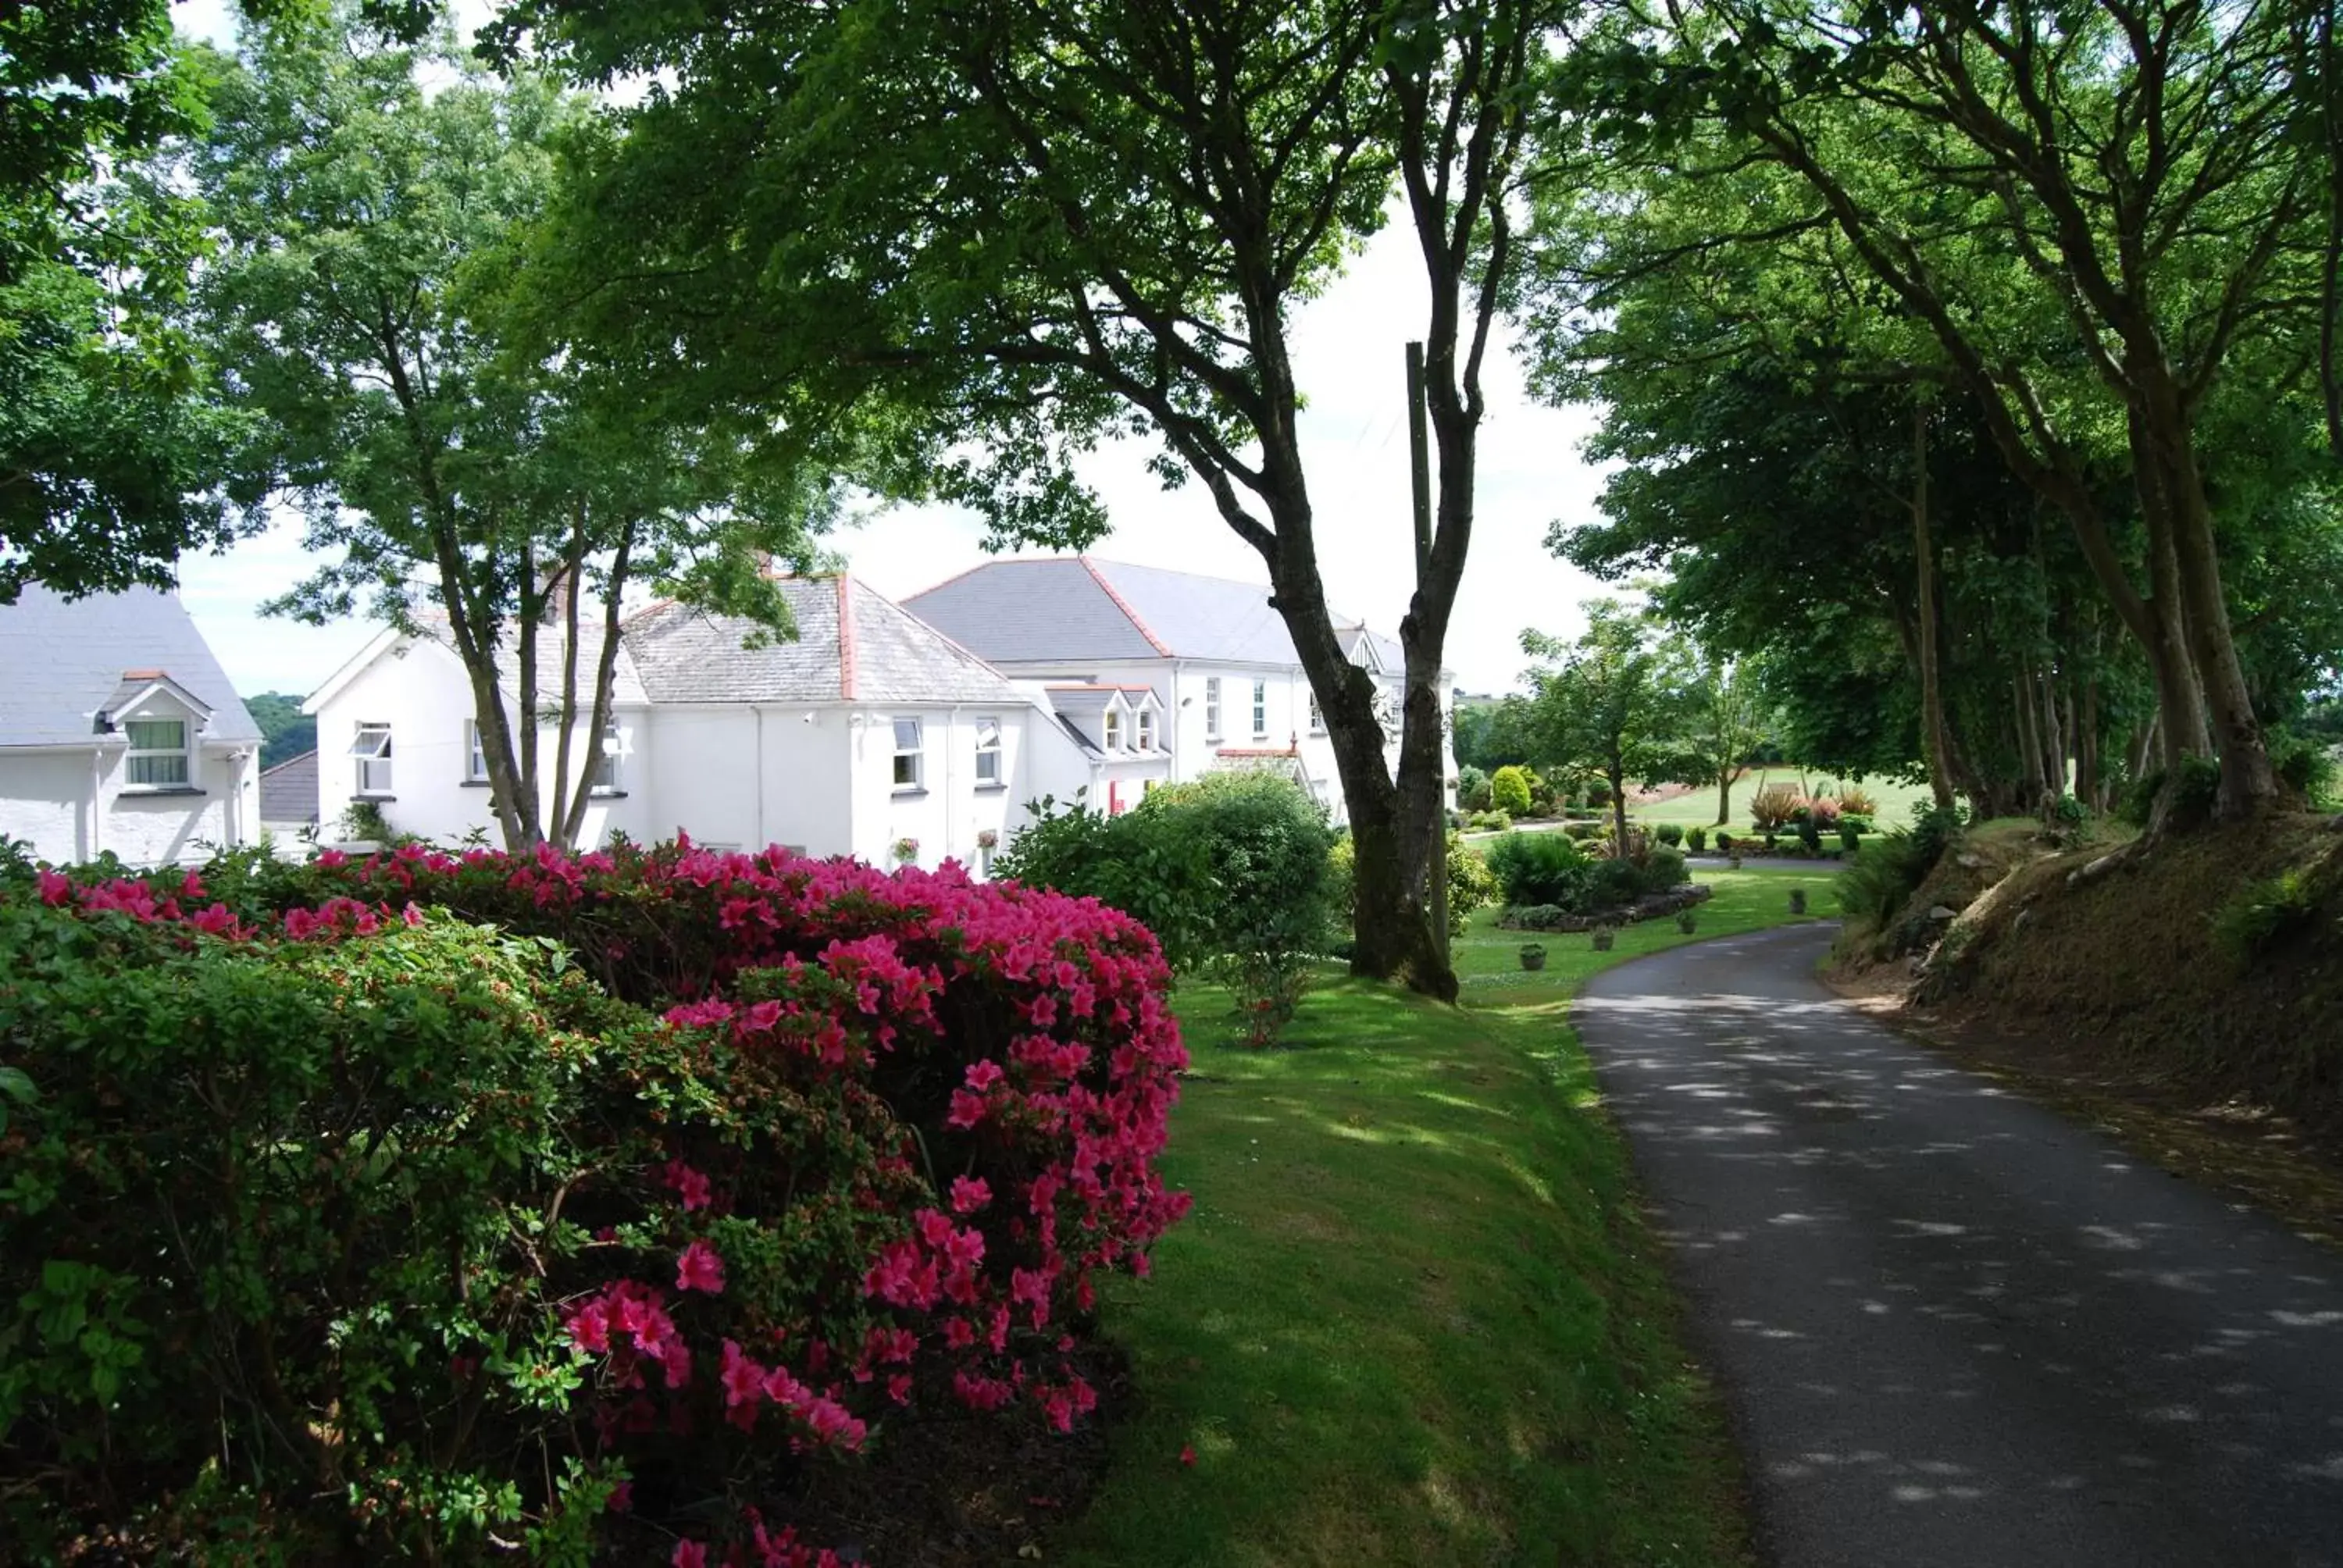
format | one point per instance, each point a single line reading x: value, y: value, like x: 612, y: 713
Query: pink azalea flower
x: 689, y: 1554
x: 693, y: 1188
x: 700, y: 1268
x: 970, y: 1193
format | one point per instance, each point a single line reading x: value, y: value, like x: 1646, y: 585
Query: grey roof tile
x: 1069, y: 610
x: 61, y: 661
x: 289, y: 791
x: 625, y: 682
x: 876, y: 652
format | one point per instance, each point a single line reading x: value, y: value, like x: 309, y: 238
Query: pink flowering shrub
x: 775, y: 1151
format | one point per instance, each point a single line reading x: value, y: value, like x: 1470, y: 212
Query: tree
x: 109, y: 449
x: 2096, y: 213
x: 1615, y: 701
x: 380, y: 288
x: 286, y: 732
x: 1047, y: 222
x: 1725, y: 721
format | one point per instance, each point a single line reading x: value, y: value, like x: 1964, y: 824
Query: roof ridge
x: 1153, y: 641
x: 908, y: 613
x: 845, y: 637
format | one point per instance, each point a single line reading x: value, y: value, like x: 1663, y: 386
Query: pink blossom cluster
x: 1019, y: 1040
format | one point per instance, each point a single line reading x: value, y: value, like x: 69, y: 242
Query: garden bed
x: 1650, y: 907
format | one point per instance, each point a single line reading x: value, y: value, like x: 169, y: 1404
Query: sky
x: 1348, y: 348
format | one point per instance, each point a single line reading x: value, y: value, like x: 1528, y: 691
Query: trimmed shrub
x: 1538, y: 869
x: 1670, y: 833
x: 1696, y: 840
x: 1491, y: 822
x: 437, y: 1238
x: 1613, y: 881
x: 1472, y: 788
x: 1810, y: 835
x: 1509, y: 790
x: 1581, y: 832
x: 1850, y: 837
x: 1857, y: 821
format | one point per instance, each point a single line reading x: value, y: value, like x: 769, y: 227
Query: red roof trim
x: 144, y: 674
x: 1098, y: 577
x: 845, y: 638
x: 1099, y: 686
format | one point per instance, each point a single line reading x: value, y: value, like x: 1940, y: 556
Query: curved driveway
x: 1952, y: 1327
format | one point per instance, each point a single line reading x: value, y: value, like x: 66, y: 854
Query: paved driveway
x: 1955, y: 1328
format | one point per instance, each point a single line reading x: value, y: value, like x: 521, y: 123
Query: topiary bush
x: 1538, y: 869
x: 1696, y: 840
x: 1491, y: 822
x: 1670, y: 833
x: 332, y: 1228
x: 1509, y: 790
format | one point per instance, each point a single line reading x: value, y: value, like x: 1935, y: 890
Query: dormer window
x: 158, y: 754
x: 1147, y: 729
x: 1317, y: 717
x: 1114, y: 729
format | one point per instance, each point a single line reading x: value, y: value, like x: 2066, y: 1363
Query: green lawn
x: 1415, y: 1317
x: 1897, y: 803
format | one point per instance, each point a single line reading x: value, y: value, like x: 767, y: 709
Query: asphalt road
x: 1952, y: 1327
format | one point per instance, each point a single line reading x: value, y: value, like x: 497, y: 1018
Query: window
x: 987, y: 753
x: 1317, y: 718
x: 1147, y: 729
x: 372, y: 749
x: 1260, y: 709
x: 606, y: 765
x: 1114, y: 729
x: 159, y: 753
x: 907, y: 754
x: 476, y: 754
x: 1212, y: 708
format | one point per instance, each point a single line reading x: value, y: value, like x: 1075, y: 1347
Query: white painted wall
x: 420, y: 689
x: 75, y: 805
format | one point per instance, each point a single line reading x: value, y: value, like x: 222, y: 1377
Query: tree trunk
x: 1616, y: 772
x: 2088, y: 788
x: 1924, y: 550
x: 1724, y: 794
x: 2029, y: 739
x: 2163, y: 446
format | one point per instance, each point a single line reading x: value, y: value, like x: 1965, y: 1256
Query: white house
x: 120, y: 732
x: 1213, y: 653
x: 869, y: 734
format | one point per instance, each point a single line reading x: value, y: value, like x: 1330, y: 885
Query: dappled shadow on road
x: 1948, y: 1317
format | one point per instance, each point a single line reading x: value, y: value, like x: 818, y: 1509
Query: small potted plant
x: 1604, y: 937
x: 1686, y: 921
x: 988, y: 839
x: 1797, y: 900
x: 907, y: 849
x: 1533, y: 955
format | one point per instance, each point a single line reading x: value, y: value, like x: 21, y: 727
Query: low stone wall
x: 1650, y: 907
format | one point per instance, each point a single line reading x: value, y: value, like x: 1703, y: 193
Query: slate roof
x: 625, y: 682
x: 1064, y: 609
x: 61, y: 662
x: 852, y: 645
x: 289, y: 791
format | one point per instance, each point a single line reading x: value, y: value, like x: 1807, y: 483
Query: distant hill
x: 286, y: 732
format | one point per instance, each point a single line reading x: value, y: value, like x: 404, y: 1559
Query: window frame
x: 606, y: 779
x: 917, y: 754
x: 989, y: 753
x: 1142, y: 730
x: 1211, y: 708
x: 382, y: 755
x: 1317, y: 716
x: 1260, y: 710
x: 476, y: 753
x: 184, y: 752
x: 1110, y: 728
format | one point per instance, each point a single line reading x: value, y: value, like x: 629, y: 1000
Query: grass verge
x: 1415, y: 1317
